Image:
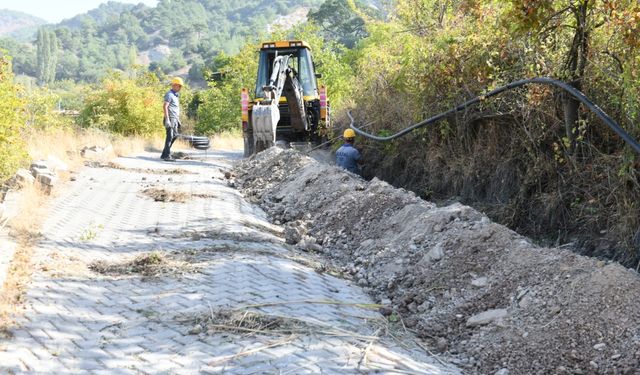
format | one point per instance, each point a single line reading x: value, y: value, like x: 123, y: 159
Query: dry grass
x: 154, y: 264
x: 25, y: 229
x: 163, y: 195
x: 66, y: 144
x: 228, y: 141
x: 110, y: 164
x: 244, y: 321
x: 60, y: 264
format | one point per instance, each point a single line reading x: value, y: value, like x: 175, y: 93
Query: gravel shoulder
x: 483, y: 296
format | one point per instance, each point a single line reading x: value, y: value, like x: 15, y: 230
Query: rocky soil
x: 484, y: 296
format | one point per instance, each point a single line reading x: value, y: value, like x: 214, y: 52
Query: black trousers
x: 172, y: 135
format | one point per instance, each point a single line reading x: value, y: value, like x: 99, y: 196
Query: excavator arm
x: 266, y: 113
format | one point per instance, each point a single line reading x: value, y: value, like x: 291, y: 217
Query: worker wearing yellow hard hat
x: 347, y: 156
x: 177, y: 81
x: 349, y: 134
x: 171, y: 109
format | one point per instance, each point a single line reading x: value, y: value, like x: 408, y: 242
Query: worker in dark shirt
x: 347, y: 156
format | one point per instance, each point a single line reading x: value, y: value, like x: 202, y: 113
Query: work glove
x: 167, y: 122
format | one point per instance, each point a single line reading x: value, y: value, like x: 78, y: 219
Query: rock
x: 293, y: 233
x: 95, y: 152
x: 487, y: 317
x: 600, y: 346
x: 386, y: 311
x: 24, y: 177
x: 46, y: 179
x: 435, y: 254
x: 442, y: 344
x: 40, y: 164
x: 480, y: 282
x: 308, y: 245
x: 39, y: 168
x: 502, y: 371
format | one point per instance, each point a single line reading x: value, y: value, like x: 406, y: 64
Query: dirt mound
x: 472, y: 288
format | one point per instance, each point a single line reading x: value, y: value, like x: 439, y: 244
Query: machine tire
x: 248, y: 145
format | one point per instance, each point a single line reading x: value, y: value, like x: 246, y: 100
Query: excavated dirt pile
x: 482, y: 295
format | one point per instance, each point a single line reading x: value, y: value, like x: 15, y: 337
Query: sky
x: 56, y: 10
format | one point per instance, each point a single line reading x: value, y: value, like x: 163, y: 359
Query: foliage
x: 513, y: 156
x: 339, y: 21
x: 40, y: 110
x: 12, y: 148
x: 126, y: 105
x: 47, y: 56
x: 111, y: 36
x: 219, y: 110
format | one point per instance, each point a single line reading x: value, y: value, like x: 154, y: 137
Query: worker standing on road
x: 347, y: 157
x: 171, y: 110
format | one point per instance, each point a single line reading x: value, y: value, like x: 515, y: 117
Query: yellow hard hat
x: 349, y: 133
x: 177, y: 81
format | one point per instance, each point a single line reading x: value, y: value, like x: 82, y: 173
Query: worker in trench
x: 171, y: 109
x: 347, y: 156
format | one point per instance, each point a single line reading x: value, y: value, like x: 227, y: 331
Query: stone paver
x: 81, y: 322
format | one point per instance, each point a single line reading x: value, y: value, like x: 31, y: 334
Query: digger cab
x: 301, y: 60
x: 300, y: 114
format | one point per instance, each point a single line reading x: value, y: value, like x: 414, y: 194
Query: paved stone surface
x: 79, y: 321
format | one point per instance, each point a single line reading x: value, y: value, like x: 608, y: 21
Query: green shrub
x: 126, y: 106
x: 40, y: 110
x: 12, y: 147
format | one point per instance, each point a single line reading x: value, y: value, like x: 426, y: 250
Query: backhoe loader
x: 289, y: 106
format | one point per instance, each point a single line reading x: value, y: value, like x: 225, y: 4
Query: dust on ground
x: 484, y: 296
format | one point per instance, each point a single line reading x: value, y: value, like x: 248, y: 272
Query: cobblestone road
x: 230, y: 258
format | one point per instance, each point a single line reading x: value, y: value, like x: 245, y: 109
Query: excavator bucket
x: 265, y: 121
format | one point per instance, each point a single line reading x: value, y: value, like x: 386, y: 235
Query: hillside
x: 174, y: 35
x: 18, y: 25
x: 104, y: 13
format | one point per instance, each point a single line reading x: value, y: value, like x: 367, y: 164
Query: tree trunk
x: 574, y: 70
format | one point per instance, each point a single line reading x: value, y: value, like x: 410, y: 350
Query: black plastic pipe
x: 513, y: 85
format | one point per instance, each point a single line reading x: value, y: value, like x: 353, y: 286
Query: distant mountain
x: 18, y: 25
x: 174, y: 36
x: 106, y: 12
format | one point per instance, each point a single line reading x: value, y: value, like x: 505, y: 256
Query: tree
x: 340, y: 21
x: 47, y: 56
x: 579, y: 19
